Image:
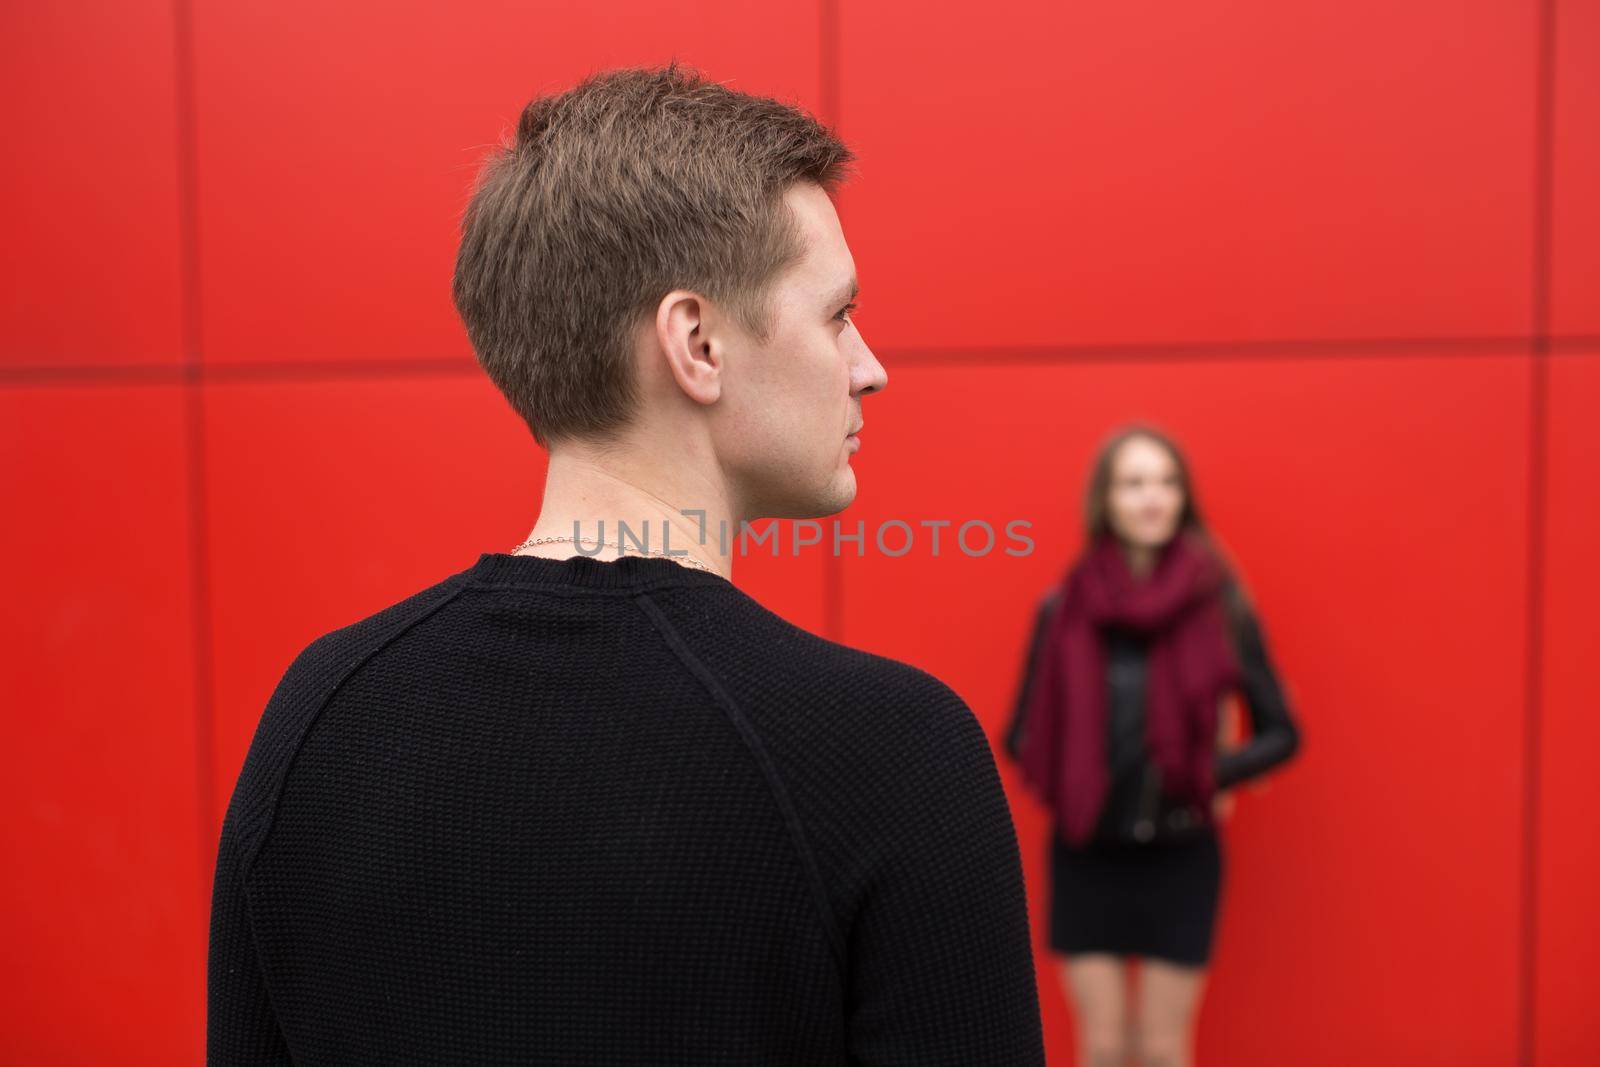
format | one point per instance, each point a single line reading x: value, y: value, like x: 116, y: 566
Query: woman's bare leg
x: 1098, y: 983
x: 1169, y: 1000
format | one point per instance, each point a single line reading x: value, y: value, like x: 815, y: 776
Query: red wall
x: 1349, y: 251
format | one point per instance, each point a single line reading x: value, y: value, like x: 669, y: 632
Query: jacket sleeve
x: 240, y: 1025
x: 1274, y: 736
x: 1017, y: 729
x: 941, y: 966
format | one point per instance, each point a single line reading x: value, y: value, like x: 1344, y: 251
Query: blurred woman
x: 1117, y: 726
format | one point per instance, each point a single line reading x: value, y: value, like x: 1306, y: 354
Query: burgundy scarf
x: 1190, y: 665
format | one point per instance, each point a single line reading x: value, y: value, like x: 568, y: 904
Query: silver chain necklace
x: 687, y: 561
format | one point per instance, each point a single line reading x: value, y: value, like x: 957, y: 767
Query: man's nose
x: 868, y: 375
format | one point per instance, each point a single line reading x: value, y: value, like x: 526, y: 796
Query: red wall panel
x: 1103, y: 172
x: 335, y: 154
x: 1568, y: 944
x: 1377, y: 508
x: 107, y: 874
x: 90, y: 273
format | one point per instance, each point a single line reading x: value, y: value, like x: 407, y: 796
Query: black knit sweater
x: 587, y: 812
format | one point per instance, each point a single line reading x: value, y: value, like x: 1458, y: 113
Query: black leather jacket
x: 1135, y: 807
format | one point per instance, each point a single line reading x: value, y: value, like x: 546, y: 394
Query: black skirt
x: 1130, y: 899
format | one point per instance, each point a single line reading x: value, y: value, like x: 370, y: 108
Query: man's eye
x: 844, y: 312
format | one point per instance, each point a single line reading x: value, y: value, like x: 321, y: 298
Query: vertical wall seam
x: 194, y: 437
x: 829, y: 87
x: 1538, y: 429
x: 828, y: 81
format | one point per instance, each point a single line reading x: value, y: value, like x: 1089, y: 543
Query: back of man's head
x: 631, y: 184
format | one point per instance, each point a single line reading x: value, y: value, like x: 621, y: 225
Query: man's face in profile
x: 795, y: 401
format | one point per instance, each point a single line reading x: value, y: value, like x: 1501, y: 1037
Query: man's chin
x: 841, y: 494
x: 834, y: 498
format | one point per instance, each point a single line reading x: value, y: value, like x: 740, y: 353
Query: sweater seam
x: 764, y: 761
x: 247, y: 906
x: 252, y: 849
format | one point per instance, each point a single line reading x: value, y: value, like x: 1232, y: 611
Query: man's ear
x: 689, y: 336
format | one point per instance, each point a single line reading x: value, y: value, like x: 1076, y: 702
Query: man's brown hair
x: 633, y: 183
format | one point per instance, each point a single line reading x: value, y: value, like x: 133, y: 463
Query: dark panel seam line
x: 764, y: 761
x: 1209, y: 351
x: 833, y: 588
x: 204, y: 725
x: 188, y: 175
x: 1214, y: 352
x: 1533, y: 701
x: 318, y: 369
x: 200, y: 603
x: 1533, y: 705
x: 830, y: 77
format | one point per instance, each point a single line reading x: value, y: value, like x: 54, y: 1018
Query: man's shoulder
x: 331, y: 656
x: 838, y: 713
x: 310, y: 677
x: 856, y: 735
x: 377, y: 626
x: 785, y: 656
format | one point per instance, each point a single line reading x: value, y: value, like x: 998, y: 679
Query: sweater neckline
x: 506, y: 568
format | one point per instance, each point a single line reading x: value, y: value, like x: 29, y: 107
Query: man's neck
x: 624, y: 497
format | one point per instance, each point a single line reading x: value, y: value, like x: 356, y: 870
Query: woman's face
x: 1145, y: 497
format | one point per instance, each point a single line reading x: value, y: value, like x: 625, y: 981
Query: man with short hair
x: 585, y: 801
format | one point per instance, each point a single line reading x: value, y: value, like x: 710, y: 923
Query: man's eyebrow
x: 848, y: 291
